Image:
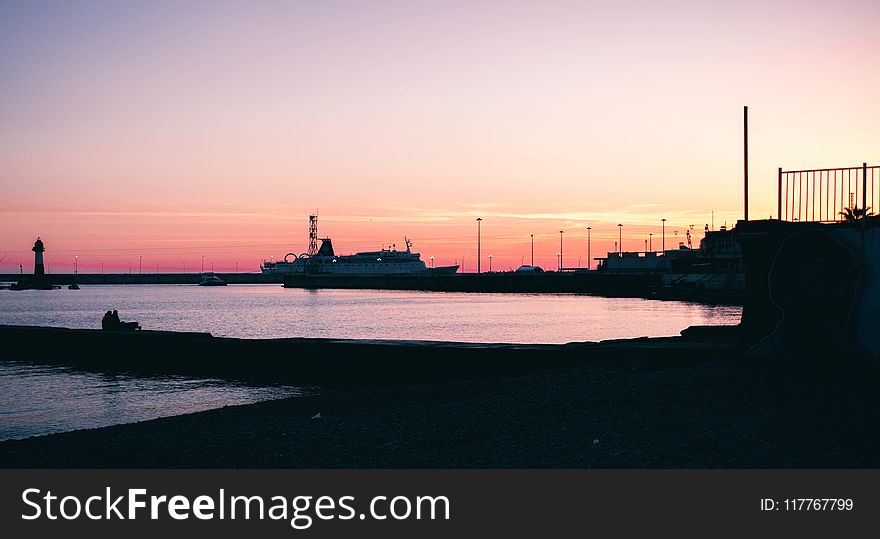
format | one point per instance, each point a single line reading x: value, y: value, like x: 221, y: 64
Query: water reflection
x: 265, y: 311
x: 45, y: 399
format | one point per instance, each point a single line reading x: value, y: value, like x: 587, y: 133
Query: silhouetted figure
x: 111, y: 322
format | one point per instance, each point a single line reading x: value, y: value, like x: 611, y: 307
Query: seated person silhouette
x: 112, y: 322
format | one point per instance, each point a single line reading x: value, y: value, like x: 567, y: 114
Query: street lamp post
x: 76, y: 265
x: 560, y: 250
x: 651, y: 241
x: 589, y: 259
x: 490, y: 263
x: 533, y: 249
x: 558, y: 261
x: 620, y: 238
x: 140, y: 264
x: 432, y: 262
x: 663, y: 246
x: 479, y: 222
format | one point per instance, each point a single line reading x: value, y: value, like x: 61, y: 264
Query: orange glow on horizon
x: 130, y: 135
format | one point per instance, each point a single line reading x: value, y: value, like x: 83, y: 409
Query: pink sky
x: 171, y: 131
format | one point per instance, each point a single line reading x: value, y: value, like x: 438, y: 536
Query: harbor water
x: 38, y: 400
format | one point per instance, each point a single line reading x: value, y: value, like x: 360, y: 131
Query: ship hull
x: 357, y: 270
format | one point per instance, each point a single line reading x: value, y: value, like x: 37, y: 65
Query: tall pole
x: 865, y: 191
x: 76, y: 265
x: 620, y: 238
x: 651, y: 241
x: 479, y: 222
x: 745, y: 163
x: 560, y: 250
x: 664, y: 234
x: 533, y: 250
x: 203, y: 263
x: 140, y: 264
x: 589, y: 258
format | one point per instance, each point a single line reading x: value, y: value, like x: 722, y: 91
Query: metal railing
x: 820, y: 195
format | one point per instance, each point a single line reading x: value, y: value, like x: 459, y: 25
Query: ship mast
x: 313, y: 235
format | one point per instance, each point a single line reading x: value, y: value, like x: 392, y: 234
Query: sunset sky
x: 167, y: 131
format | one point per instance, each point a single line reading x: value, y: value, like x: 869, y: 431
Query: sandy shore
x: 722, y: 412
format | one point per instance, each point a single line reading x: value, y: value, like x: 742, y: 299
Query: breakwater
x: 338, y: 362
x: 142, y: 278
x: 647, y: 285
x: 554, y: 282
x: 579, y: 282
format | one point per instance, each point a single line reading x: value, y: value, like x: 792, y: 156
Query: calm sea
x: 40, y: 400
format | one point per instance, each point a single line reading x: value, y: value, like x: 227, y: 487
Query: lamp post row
x: 619, y: 246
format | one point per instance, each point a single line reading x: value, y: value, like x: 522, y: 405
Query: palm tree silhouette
x: 854, y: 213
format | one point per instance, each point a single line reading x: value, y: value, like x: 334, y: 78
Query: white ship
x: 325, y: 261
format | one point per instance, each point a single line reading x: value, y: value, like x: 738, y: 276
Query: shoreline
x: 636, y: 406
x: 714, y: 414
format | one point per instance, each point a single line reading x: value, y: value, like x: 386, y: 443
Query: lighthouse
x: 38, y: 257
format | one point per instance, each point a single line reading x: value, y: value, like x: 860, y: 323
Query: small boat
x: 211, y: 280
x: 73, y: 286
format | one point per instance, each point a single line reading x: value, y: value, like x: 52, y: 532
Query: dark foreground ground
x: 724, y: 412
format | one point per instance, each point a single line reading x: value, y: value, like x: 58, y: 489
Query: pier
x: 647, y: 285
x: 143, y: 278
x: 343, y: 362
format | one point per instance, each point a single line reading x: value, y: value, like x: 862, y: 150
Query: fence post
x: 779, y: 197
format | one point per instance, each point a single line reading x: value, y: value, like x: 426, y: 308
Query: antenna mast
x: 313, y: 235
